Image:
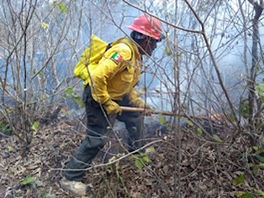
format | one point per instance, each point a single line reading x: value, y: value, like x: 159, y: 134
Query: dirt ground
x: 175, y: 163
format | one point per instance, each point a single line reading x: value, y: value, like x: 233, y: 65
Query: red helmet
x: 148, y: 26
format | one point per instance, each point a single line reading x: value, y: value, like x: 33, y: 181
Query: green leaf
x: 139, y: 163
x: 10, y: 148
x: 120, y: 181
x: 247, y: 195
x: 189, y: 122
x: 151, y: 149
x: 179, y: 55
x: 239, y: 179
x: 249, y: 150
x: 260, y: 89
x: 244, y: 108
x: 162, y: 119
x: 244, y: 158
x: 250, y: 165
x: 69, y: 91
x: 232, y: 117
x: 44, y: 25
x: 62, y: 7
x: 35, y: 126
x: 216, y: 138
x: 42, y: 193
x: 259, y: 192
x: 199, y: 131
x: 256, y: 170
x: 261, y: 165
x: 260, y: 158
x: 239, y: 193
x: 79, y: 101
x: 242, y: 194
x: 168, y: 51
x: 146, y: 159
x: 28, y: 180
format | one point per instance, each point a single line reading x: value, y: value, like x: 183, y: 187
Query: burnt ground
x: 180, y: 163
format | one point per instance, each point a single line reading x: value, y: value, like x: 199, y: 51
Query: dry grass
x: 204, y: 168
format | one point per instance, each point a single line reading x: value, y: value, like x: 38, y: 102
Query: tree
x: 201, y: 68
x: 255, y: 64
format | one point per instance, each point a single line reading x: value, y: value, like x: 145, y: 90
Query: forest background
x: 210, y: 66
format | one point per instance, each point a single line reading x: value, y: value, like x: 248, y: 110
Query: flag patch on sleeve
x: 116, y: 57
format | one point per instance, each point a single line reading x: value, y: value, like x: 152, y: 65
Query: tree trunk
x: 255, y: 59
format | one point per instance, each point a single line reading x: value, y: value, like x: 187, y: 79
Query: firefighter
x: 111, y: 85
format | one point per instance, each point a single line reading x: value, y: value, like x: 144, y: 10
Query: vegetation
x: 209, y: 69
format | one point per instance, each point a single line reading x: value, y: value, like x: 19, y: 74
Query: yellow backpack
x: 91, y: 56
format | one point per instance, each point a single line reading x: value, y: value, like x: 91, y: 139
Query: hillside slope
x: 181, y: 162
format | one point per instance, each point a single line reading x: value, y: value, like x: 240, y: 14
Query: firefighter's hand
x: 138, y: 102
x: 112, y: 107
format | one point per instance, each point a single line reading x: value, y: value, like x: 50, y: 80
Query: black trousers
x: 96, y: 129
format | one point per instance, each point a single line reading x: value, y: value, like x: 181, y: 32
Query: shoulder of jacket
x: 123, y: 47
x: 125, y: 41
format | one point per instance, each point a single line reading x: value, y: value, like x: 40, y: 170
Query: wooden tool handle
x: 148, y: 111
x: 155, y: 111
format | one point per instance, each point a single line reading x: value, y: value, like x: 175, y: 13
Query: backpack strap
x: 108, y: 46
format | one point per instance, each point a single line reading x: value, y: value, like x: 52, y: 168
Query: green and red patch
x: 116, y: 57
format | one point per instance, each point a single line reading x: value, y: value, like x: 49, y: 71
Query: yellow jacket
x: 116, y: 74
